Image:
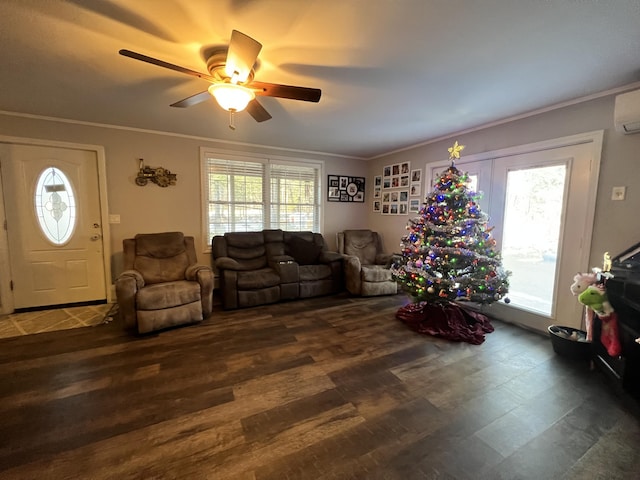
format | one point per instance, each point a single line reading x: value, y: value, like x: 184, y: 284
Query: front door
x: 54, y: 231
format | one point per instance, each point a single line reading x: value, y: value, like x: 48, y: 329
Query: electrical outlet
x: 617, y: 193
x: 114, y: 218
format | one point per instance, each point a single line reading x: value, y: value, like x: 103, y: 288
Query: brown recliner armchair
x: 162, y: 285
x: 366, y: 267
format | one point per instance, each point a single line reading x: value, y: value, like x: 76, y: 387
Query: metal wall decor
x: 345, y: 189
x: 160, y: 176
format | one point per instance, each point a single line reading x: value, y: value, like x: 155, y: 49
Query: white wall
x: 616, y: 225
x: 175, y: 208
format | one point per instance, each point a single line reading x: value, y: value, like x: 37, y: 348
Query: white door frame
x: 594, y: 139
x: 6, y: 296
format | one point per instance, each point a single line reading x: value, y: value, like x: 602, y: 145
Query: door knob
x: 95, y: 237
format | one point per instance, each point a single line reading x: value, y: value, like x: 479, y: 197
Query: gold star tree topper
x: 454, y: 152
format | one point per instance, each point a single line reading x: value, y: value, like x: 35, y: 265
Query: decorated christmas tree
x: 449, y: 253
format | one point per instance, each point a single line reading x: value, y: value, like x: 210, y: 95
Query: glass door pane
x: 534, y: 202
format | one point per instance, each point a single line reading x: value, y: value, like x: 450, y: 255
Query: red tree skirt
x: 446, y: 320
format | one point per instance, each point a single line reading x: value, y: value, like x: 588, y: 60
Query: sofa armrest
x: 277, y: 259
x: 192, y: 272
x: 204, y: 276
x: 229, y: 288
x: 135, y: 275
x: 127, y: 285
x: 352, y: 277
x: 288, y: 270
x: 386, y: 259
x: 328, y: 257
x: 227, y: 263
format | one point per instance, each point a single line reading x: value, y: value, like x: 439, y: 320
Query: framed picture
x: 414, y: 205
x: 416, y: 184
x: 377, y: 206
x: 345, y: 189
x: 397, y: 176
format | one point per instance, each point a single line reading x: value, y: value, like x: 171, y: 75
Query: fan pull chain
x: 232, y: 125
x: 232, y: 117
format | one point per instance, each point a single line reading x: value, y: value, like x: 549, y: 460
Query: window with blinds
x: 244, y: 195
x: 294, y: 197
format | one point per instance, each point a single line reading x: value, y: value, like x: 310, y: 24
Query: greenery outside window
x: 243, y: 194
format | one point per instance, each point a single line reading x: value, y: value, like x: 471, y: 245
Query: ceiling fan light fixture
x: 232, y: 97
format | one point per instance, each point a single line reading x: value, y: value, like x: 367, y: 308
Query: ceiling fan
x: 231, y: 73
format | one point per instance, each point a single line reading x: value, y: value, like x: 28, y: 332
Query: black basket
x: 565, y: 344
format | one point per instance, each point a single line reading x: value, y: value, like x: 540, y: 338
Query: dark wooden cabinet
x: 623, y: 291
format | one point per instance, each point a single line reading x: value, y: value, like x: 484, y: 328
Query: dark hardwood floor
x: 327, y: 388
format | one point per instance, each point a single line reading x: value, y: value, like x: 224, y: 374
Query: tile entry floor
x: 16, y: 324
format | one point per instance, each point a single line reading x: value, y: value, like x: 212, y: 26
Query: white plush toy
x: 581, y: 281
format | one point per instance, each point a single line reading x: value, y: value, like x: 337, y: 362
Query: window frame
x: 267, y: 160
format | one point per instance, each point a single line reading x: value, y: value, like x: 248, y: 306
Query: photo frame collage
x: 345, y: 189
x: 394, y: 189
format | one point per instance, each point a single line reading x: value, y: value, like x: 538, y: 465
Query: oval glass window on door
x: 55, y: 205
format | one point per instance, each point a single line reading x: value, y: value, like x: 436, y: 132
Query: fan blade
x: 242, y: 55
x: 257, y: 111
x: 286, y: 91
x: 193, y: 100
x: 162, y: 63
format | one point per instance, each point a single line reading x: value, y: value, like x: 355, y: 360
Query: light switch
x: 114, y: 218
x: 618, y: 193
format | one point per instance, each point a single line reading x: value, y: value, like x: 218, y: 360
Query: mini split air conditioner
x: 626, y: 113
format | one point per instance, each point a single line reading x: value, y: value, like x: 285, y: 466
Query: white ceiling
x: 393, y: 73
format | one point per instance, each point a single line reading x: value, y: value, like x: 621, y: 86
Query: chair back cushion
x: 304, y: 252
x: 161, y: 257
x: 362, y: 244
x: 247, y: 248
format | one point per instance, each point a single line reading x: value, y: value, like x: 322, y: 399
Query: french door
x: 540, y: 201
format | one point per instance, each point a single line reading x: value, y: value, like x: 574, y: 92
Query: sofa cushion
x: 303, y: 251
x: 362, y: 244
x: 247, y: 248
x: 257, y: 279
x: 160, y: 245
x: 375, y: 273
x: 312, y: 273
x: 161, y: 257
x: 168, y: 295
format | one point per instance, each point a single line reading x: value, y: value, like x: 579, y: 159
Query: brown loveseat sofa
x: 257, y: 268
